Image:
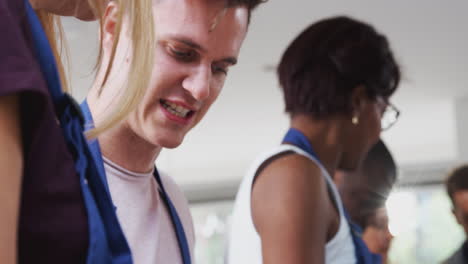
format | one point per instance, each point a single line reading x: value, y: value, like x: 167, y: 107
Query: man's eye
x: 183, y: 55
x: 219, y: 69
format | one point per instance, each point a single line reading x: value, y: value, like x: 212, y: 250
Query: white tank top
x: 245, y: 244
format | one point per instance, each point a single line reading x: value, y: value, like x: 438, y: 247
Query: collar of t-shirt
x: 122, y: 172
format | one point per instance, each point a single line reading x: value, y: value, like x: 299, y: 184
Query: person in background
x: 377, y: 235
x: 49, y: 184
x: 457, y: 189
x: 364, y: 193
x: 196, y: 42
x: 337, y: 78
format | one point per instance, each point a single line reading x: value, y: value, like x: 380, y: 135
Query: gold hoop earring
x: 355, y: 120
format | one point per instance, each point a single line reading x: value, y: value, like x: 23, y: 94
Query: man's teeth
x: 174, y: 109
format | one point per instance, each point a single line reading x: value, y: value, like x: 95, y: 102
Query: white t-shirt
x: 144, y: 217
x: 245, y: 244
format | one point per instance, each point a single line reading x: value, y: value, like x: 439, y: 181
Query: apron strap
x: 297, y: 138
x: 179, y: 228
x: 44, y: 56
x: 72, y: 125
x: 94, y: 143
x: 363, y: 254
x: 99, y: 186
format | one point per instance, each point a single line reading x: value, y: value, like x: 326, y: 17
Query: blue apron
x: 179, y: 228
x: 363, y: 255
x: 107, y: 243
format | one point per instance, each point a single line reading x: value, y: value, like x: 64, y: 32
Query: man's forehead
x: 210, y: 11
x: 213, y: 6
x: 207, y: 27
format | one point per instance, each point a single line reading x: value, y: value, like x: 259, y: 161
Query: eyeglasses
x: 389, y: 117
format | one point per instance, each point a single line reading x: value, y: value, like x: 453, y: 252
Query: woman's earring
x: 355, y: 120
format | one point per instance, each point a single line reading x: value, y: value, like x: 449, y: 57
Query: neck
x: 122, y: 145
x: 324, y: 135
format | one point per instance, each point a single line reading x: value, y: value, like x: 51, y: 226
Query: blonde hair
x: 140, y: 16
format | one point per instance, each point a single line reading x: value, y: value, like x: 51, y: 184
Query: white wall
x: 248, y: 117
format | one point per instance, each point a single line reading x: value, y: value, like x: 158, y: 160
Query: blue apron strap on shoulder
x: 181, y: 237
x: 295, y: 137
x: 94, y: 143
x: 101, y: 192
x: 44, y: 54
x: 107, y: 242
x: 363, y: 255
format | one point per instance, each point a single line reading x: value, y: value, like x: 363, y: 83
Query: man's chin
x: 86, y: 17
x: 171, y: 144
x: 83, y: 12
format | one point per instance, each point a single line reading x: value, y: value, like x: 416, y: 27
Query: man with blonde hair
x: 196, y: 42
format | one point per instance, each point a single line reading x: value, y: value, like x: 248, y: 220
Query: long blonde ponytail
x: 140, y: 16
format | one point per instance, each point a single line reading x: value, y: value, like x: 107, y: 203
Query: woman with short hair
x: 337, y: 78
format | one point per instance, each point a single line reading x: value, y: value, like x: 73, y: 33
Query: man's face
x: 197, y: 42
x: 377, y: 236
x: 460, y: 210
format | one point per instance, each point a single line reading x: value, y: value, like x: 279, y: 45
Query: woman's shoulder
x: 292, y: 180
x: 19, y: 71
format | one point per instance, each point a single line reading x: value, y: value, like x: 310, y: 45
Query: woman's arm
x: 11, y: 169
x: 289, y: 209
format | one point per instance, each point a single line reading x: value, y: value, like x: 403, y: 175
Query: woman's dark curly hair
x: 321, y: 67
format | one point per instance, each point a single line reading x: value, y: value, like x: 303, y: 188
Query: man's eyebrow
x: 230, y: 60
x: 189, y: 43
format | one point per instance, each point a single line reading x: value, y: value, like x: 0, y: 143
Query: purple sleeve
x: 19, y: 71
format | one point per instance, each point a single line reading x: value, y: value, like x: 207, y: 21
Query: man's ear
x: 109, y: 25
